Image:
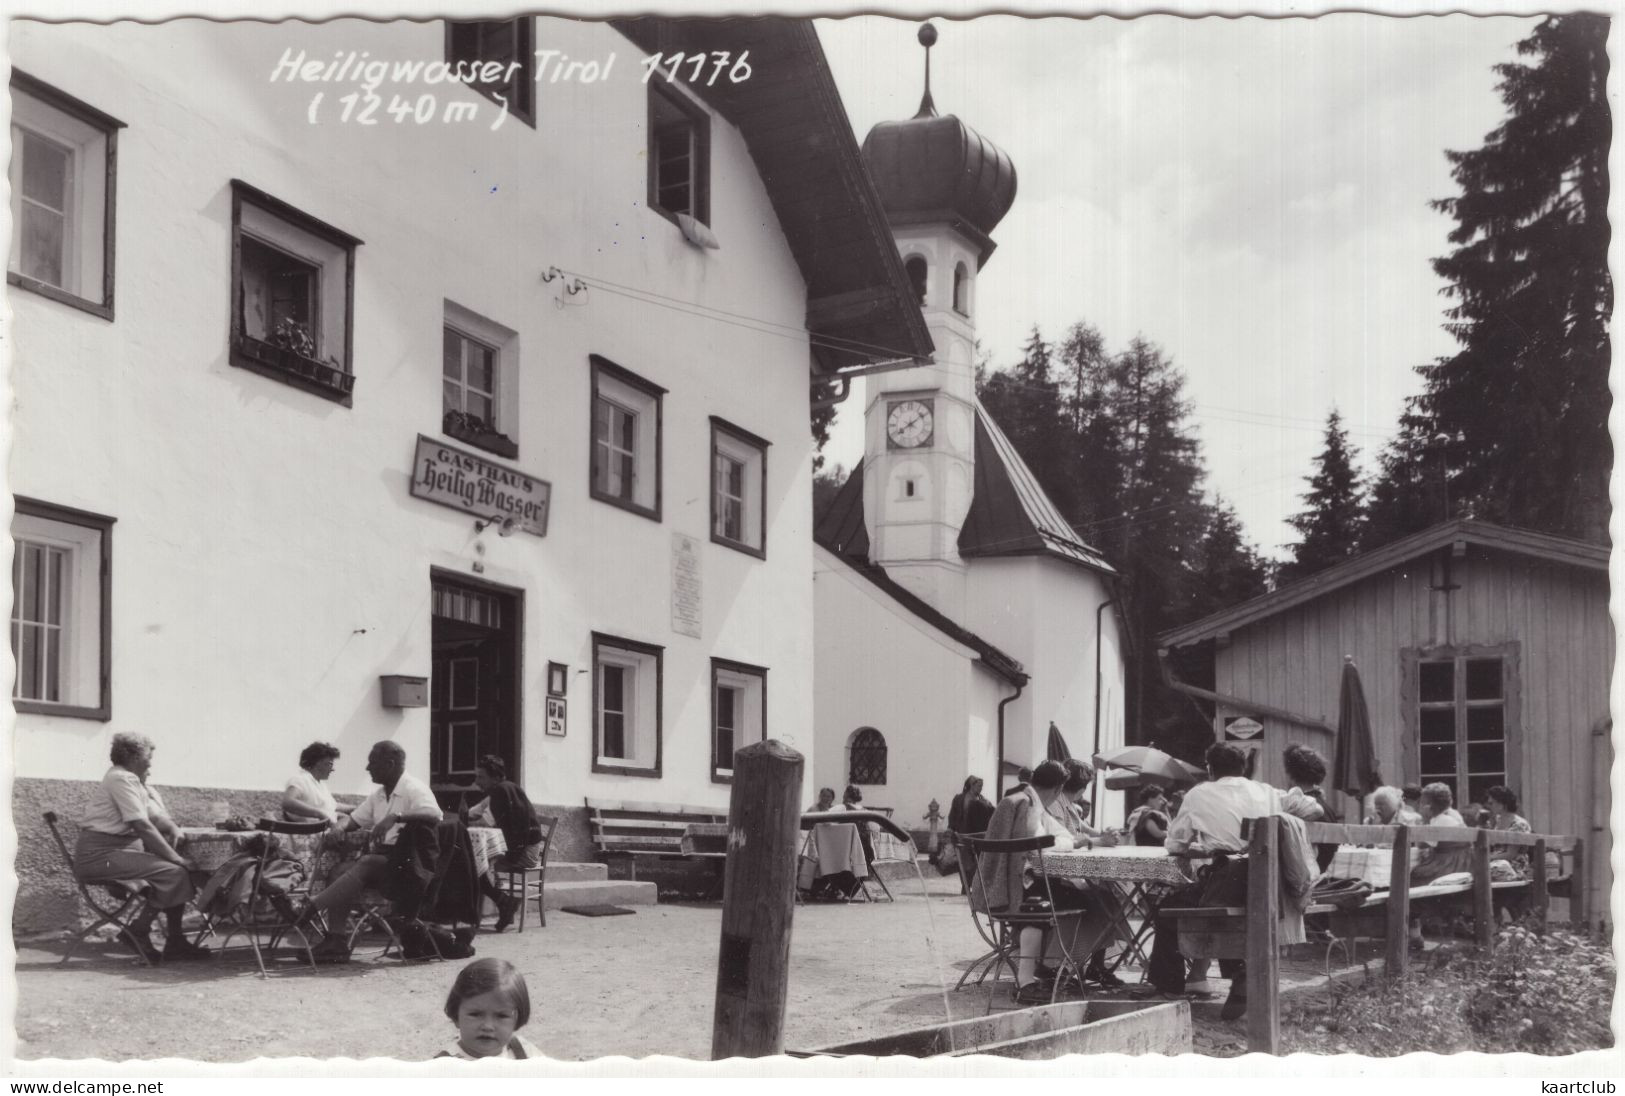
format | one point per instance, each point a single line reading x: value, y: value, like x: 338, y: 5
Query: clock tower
x: 944, y: 188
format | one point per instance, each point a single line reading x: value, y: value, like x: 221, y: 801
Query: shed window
x: 866, y: 763
x: 1465, y: 717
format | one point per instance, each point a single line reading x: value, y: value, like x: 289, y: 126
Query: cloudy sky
x: 1250, y: 194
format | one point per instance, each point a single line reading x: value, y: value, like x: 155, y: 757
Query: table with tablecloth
x: 1373, y: 865
x: 1139, y: 875
x: 836, y: 847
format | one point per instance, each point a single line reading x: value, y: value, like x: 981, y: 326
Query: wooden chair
x: 130, y: 896
x: 1008, y: 923
x: 528, y: 883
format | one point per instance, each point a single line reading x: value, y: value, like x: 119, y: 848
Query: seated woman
x: 1073, y: 815
x: 1148, y: 824
x: 1004, y: 881
x: 509, y: 809
x: 1440, y: 860
x: 1306, y: 798
x: 1388, y: 809
x: 852, y: 800
x: 306, y: 798
x: 126, y: 835
x: 826, y: 801
x: 1504, y: 816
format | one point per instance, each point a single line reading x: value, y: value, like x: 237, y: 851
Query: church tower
x: 944, y: 188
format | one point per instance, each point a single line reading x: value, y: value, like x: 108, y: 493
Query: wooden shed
x: 1485, y: 653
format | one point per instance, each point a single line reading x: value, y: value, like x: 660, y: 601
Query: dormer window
x: 916, y: 277
x: 961, y: 290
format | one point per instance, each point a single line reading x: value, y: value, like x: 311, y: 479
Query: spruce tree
x: 1330, y: 524
x: 1524, y: 403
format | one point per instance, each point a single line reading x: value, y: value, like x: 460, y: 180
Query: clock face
x: 908, y: 424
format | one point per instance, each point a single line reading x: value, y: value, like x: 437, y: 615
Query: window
x: 961, y: 290
x: 1464, y: 717
x: 496, y: 59
x: 679, y: 154
x: 62, y: 189
x: 292, y: 291
x: 916, y: 276
x: 626, y: 706
x: 866, y: 757
x: 625, y: 439
x: 738, y: 713
x: 738, y: 488
x: 479, y: 381
x: 61, y: 576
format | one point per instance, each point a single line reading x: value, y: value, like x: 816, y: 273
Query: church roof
x: 995, y: 659
x: 1010, y: 515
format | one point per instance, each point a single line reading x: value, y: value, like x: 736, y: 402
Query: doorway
x: 476, y: 684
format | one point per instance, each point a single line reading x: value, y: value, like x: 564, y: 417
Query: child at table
x: 489, y: 1003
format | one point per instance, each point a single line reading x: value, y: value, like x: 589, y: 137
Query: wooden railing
x: 1250, y: 933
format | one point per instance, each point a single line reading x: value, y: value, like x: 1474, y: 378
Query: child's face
x: 485, y: 1024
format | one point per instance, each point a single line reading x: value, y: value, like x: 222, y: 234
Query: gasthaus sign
x: 468, y: 482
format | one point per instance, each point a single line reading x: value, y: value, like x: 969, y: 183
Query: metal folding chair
x: 130, y: 896
x: 1008, y: 923
x: 985, y: 928
x: 528, y: 883
x: 264, y: 913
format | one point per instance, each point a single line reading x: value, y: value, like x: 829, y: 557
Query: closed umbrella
x: 1354, y: 758
x: 1057, y: 750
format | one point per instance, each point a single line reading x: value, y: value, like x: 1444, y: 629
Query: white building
x: 323, y: 417
x: 958, y: 615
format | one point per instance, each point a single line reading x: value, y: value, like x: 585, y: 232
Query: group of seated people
x: 1207, y: 824
x: 844, y: 884
x: 126, y: 835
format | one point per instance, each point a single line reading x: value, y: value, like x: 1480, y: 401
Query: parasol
x: 1151, y: 764
x: 1354, y: 756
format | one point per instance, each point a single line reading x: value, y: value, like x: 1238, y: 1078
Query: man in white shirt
x: 1209, y: 823
x: 398, y: 799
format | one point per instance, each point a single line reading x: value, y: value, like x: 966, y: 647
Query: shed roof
x: 860, y: 305
x: 1525, y: 542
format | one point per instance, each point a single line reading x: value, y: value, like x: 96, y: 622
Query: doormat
x: 598, y: 910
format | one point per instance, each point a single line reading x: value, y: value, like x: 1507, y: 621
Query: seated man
x: 1209, y: 824
x: 398, y: 799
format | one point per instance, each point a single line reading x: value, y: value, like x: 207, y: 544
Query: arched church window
x: 866, y: 763
x: 916, y: 276
x: 961, y: 290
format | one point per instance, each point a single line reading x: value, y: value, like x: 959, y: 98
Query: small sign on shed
x: 1239, y: 728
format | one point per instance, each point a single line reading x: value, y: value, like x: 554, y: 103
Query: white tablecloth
x: 1123, y: 864
x: 1371, y: 865
x: 837, y: 848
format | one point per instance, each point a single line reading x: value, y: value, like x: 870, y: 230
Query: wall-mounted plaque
x: 685, y: 585
x: 555, y: 716
x: 479, y: 487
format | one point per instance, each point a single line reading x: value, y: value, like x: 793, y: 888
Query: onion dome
x: 936, y: 168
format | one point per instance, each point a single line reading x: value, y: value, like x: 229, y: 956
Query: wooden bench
x: 1250, y: 932
x: 661, y: 830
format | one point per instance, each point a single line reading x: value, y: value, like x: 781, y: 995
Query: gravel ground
x: 635, y: 986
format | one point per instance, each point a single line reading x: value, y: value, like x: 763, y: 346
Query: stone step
x: 569, y: 872
x: 615, y: 892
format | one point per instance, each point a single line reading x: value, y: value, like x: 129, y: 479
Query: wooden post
x: 758, y: 898
x: 1263, y: 960
x: 1578, y: 912
x: 1399, y: 904
x: 1542, y: 897
x: 1483, y: 895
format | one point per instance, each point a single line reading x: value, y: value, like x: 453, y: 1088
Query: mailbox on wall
x: 402, y: 691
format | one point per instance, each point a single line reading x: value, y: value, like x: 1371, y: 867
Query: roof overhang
x: 860, y: 305
x: 1453, y: 535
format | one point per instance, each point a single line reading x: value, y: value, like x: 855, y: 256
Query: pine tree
x: 1334, y: 513
x: 1523, y: 405
x: 1227, y: 570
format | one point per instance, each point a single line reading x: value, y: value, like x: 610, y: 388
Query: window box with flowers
x: 293, y: 280
x: 477, y: 432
